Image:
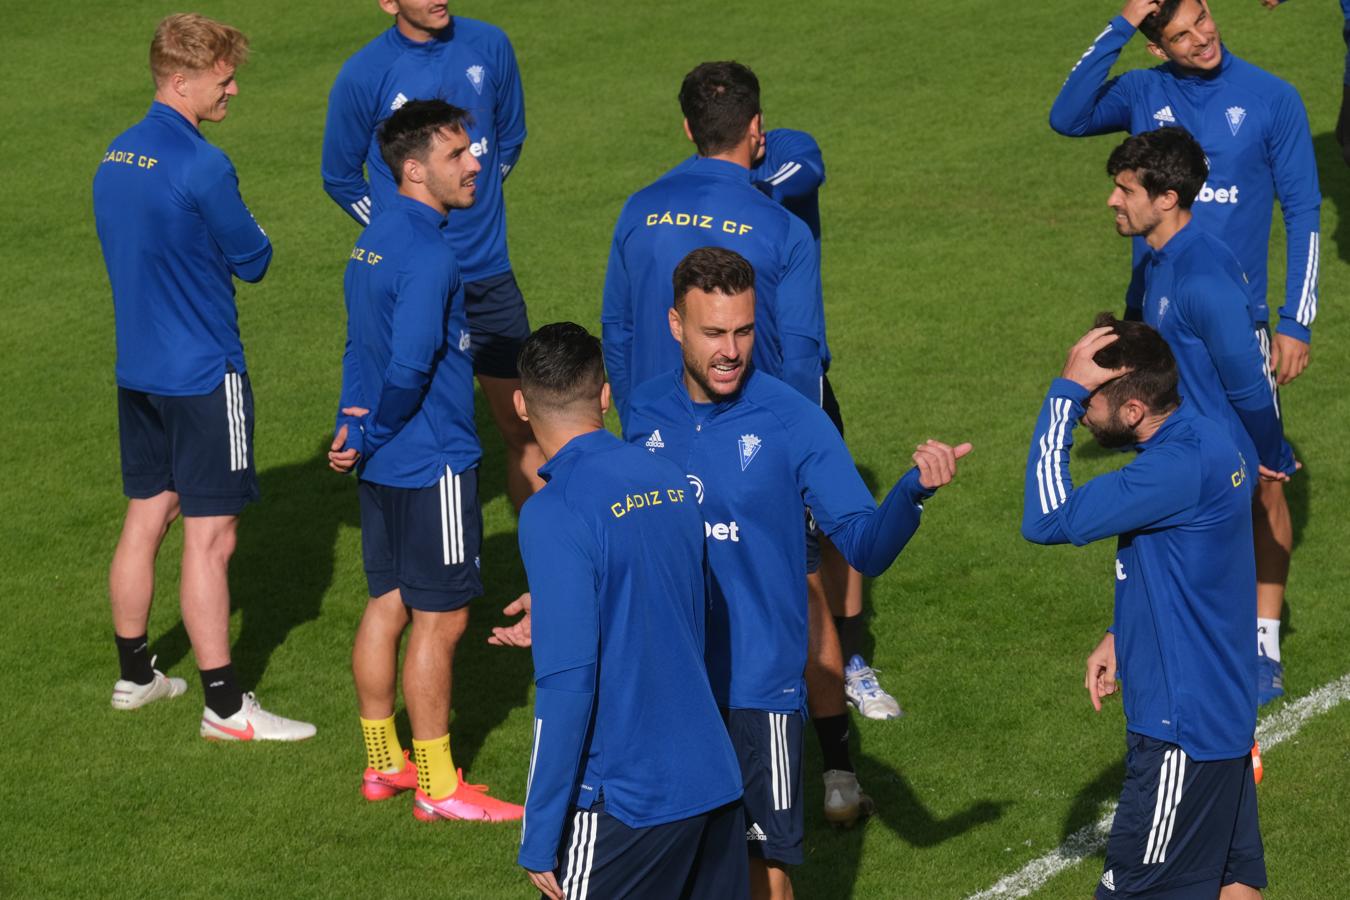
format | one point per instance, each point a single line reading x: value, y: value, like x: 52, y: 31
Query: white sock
x: 1268, y: 638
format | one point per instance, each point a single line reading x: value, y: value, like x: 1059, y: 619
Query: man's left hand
x: 1288, y: 357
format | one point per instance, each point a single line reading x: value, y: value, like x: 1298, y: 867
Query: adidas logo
x: 654, y: 442
x: 1108, y: 880
x: 755, y: 833
x: 398, y: 101
x: 1165, y: 116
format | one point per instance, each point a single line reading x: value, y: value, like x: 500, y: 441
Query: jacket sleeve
x: 417, y: 335
x: 1152, y: 488
x: 616, y: 324
x: 800, y: 311
x: 346, y: 140
x: 869, y: 537
x: 801, y: 172
x: 510, y: 114
x: 560, y: 564
x: 1087, y: 103
x: 1229, y: 335
x: 1294, y: 165
x: 241, y: 240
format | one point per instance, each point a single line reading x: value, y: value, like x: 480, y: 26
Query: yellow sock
x: 435, y: 767
x: 383, y: 751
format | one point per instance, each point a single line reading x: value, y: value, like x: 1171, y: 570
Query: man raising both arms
x: 405, y: 422
x: 634, y: 788
x: 756, y: 454
x: 1254, y: 132
x: 428, y: 54
x: 175, y: 232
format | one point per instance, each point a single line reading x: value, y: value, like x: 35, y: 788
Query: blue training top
x: 174, y: 230
x: 470, y: 64
x: 755, y: 463
x: 407, y: 353
x: 1196, y: 298
x: 710, y: 203
x: 791, y: 172
x: 613, y: 549
x: 1255, y: 134
x: 1185, y: 574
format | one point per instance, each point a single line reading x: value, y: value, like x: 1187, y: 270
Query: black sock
x: 222, y: 695
x: 133, y: 655
x: 850, y: 630
x: 832, y: 732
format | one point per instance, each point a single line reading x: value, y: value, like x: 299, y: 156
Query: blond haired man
x: 175, y: 233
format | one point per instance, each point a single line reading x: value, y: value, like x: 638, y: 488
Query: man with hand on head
x: 634, y: 788
x: 1185, y: 594
x: 756, y: 453
x: 405, y: 423
x: 175, y: 233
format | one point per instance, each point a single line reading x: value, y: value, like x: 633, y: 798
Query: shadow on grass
x: 1087, y: 806
x: 834, y: 856
x: 283, y: 563
x: 1334, y: 179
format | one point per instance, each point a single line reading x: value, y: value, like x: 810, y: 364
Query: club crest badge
x: 749, y: 446
x: 475, y: 74
x: 1236, y: 115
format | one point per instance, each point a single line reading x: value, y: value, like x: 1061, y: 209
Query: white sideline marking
x: 1089, y: 839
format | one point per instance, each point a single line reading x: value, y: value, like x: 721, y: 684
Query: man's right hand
x: 1136, y: 11
x: 1100, y: 679
x: 517, y: 634
x: 1080, y: 366
x: 342, y: 460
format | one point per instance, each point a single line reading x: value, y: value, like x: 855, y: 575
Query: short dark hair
x: 719, y: 100
x: 560, y: 364
x: 1168, y: 159
x: 1152, y: 378
x: 1155, y: 22
x: 408, y: 133
x: 712, y: 270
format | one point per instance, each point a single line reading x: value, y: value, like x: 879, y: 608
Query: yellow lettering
x: 651, y: 219
x: 729, y: 226
x: 682, y: 218
x: 666, y: 219
x: 705, y: 222
x: 746, y: 229
x: 373, y: 258
x: 618, y: 510
x: 1238, y: 477
x: 358, y: 253
x: 673, y: 495
x: 654, y: 497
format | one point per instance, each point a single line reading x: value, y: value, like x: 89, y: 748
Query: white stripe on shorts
x: 234, y: 416
x: 580, y: 855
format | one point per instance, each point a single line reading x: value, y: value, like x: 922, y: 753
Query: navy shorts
x: 201, y: 447
x: 698, y: 858
x: 423, y: 541
x: 1183, y: 828
x: 498, y: 325
x: 769, y: 748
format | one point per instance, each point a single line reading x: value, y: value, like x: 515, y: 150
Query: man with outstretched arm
x: 405, y: 423
x: 1185, y: 593
x: 634, y: 788
x: 756, y: 453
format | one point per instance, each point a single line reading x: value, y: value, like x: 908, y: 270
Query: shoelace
x: 459, y: 773
x: 867, y: 684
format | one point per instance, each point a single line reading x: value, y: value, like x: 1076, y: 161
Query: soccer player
x: 1184, y: 599
x: 709, y: 201
x: 756, y: 453
x: 790, y: 169
x: 427, y: 54
x: 1196, y: 295
x: 405, y: 423
x: 634, y: 787
x: 175, y: 233
x: 1254, y: 131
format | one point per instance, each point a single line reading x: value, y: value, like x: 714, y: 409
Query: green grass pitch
x: 965, y: 247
